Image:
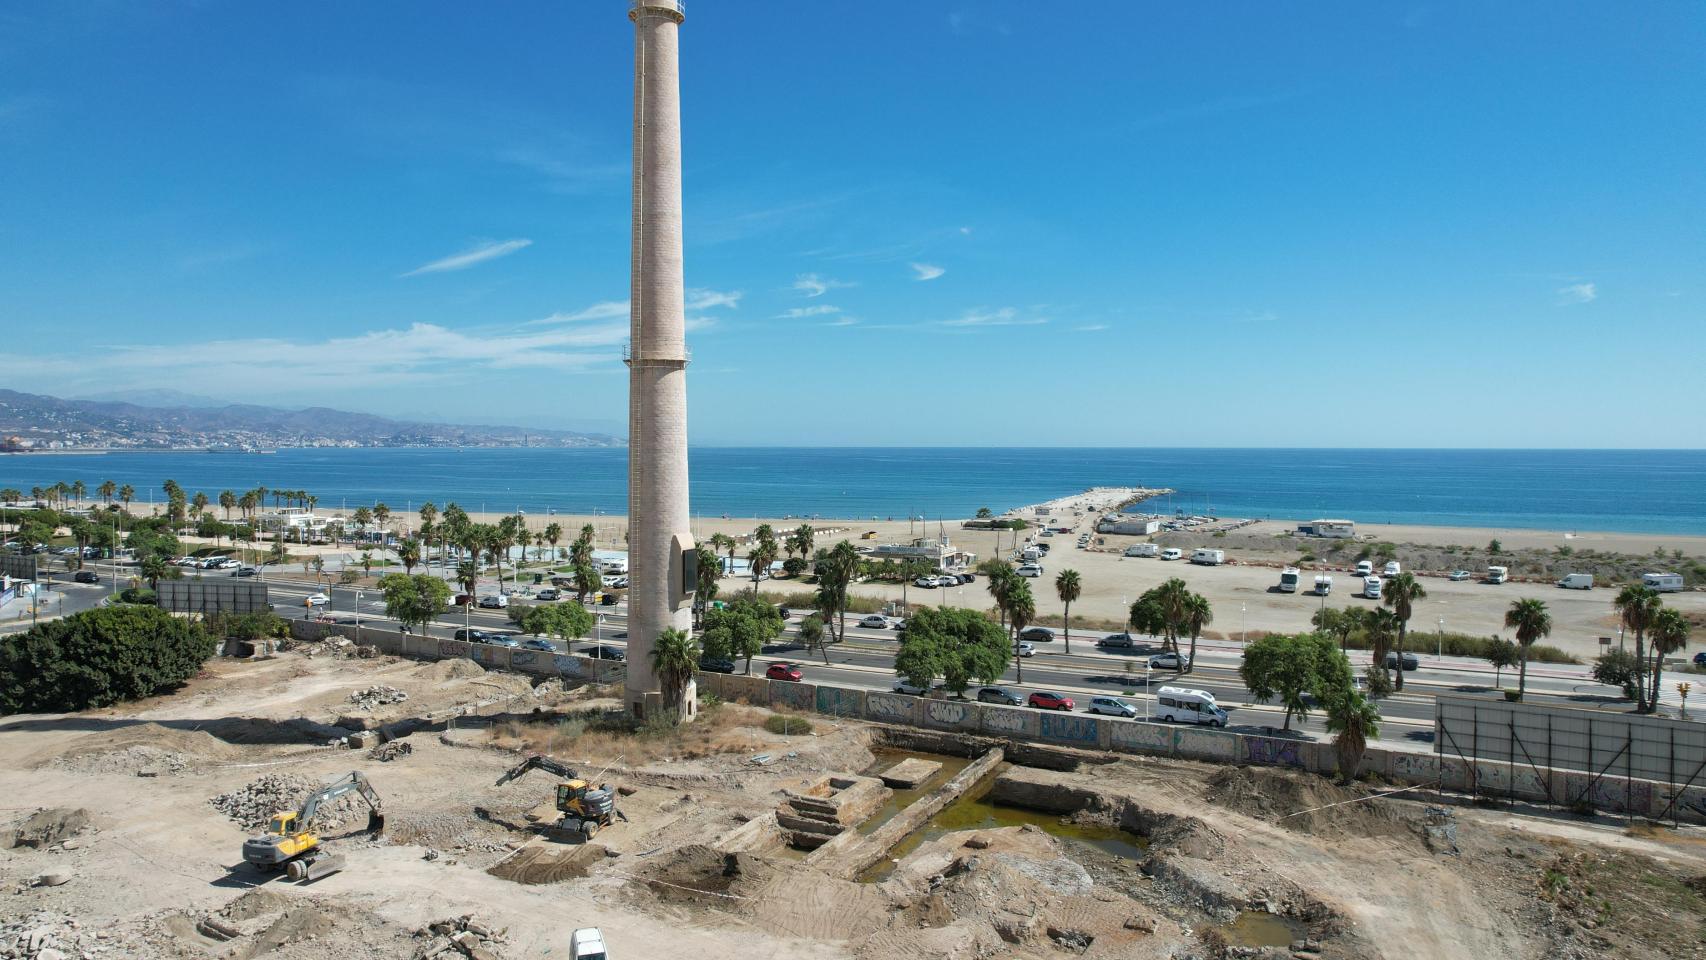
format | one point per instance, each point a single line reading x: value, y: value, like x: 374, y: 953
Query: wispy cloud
x: 965, y: 231
x: 800, y: 313
x: 702, y: 299
x: 1004, y: 317
x: 927, y: 271
x: 477, y: 254
x: 1215, y: 108
x: 1090, y: 327
x: 843, y: 322
x: 813, y: 285
x: 697, y: 299
x: 1577, y: 293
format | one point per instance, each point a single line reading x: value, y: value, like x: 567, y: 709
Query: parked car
x: 1037, y: 634
x: 968, y: 578
x: 476, y: 636
x: 227, y: 563
x: 494, y: 601
x: 1027, y: 649
x: 1410, y: 661
x: 1000, y: 695
x: 948, y: 580
x: 318, y: 599
x: 549, y: 593
x: 1169, y: 661
x: 538, y: 643
x: 1112, y: 707
x: 1392, y: 569
x: 1044, y: 700
x: 587, y: 943
x: 1172, y: 553
x: 926, y: 582
x: 1700, y: 659
x: 1031, y: 570
x: 1365, y: 568
x: 502, y: 640
x: 716, y: 665
x: 1118, y: 641
x: 875, y: 621
x: 86, y: 576
x: 602, y: 652
x: 913, y: 690
x: 1461, y: 575
x: 784, y: 671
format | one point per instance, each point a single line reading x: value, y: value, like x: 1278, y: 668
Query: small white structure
x: 940, y: 553
x: 1182, y: 705
x: 1577, y: 581
x: 1208, y: 557
x: 1128, y: 525
x: 1332, y: 529
x: 1371, y: 587
x: 1498, y: 574
x: 1662, y: 582
x: 1143, y: 550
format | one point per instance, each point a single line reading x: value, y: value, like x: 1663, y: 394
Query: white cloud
x: 1091, y: 327
x: 797, y: 313
x: 927, y: 271
x: 965, y: 231
x: 1577, y: 293
x: 477, y: 254
x: 603, y: 310
x: 813, y: 285
x: 702, y: 299
x: 843, y: 322
x: 1004, y: 317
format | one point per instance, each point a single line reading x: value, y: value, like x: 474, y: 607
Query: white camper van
x: 1662, y: 582
x: 1577, y: 581
x: 1288, y: 579
x: 1143, y: 550
x: 1371, y: 587
x: 1498, y: 574
x: 1207, y: 557
x: 1031, y: 553
x: 1180, y: 705
x: 1323, y: 585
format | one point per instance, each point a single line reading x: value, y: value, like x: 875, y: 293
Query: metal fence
x: 18, y: 567
x: 213, y: 596
x: 1605, y: 746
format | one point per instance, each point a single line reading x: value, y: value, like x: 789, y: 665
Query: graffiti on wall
x: 1140, y: 736
x: 799, y: 696
x: 1412, y: 767
x: 946, y: 713
x: 1066, y: 726
x: 567, y: 666
x: 452, y: 648
x: 884, y: 706
x: 1004, y: 721
x: 1284, y: 753
x: 837, y: 701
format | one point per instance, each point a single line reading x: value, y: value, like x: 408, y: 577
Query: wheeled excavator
x: 584, y: 807
x: 291, y: 843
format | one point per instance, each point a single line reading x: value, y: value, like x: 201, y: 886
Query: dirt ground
x: 110, y: 846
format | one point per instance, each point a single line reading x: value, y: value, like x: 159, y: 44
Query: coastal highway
x: 866, y: 660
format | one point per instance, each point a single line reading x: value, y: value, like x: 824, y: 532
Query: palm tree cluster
x: 1641, y: 611
x: 1170, y: 611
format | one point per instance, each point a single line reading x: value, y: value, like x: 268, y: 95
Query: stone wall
x: 490, y: 656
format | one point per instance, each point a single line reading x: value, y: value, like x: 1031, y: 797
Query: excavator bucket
x: 375, y: 823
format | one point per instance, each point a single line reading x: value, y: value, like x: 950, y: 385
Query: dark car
x: 245, y: 572
x: 477, y: 636
x: 716, y: 665
x: 1700, y: 659
x: 86, y: 576
x: 604, y: 653
x: 1037, y: 634
x: 1043, y: 700
x: 536, y: 643
x: 968, y: 578
x: 1410, y: 661
x: 1000, y: 695
x: 784, y: 671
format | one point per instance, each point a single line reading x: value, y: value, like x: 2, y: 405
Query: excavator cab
x: 570, y: 795
x: 283, y: 824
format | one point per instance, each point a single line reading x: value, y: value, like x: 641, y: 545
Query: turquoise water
x: 1638, y: 491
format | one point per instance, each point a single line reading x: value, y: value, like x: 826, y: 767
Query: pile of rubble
x: 390, y: 750
x: 253, y: 805
x: 377, y: 696
x: 463, y: 936
x: 49, y: 936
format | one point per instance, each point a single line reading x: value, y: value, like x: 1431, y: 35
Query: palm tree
x: 127, y: 493
x: 1068, y: 588
x: 806, y: 538
x: 1354, y: 718
x: 106, y: 490
x: 1174, y: 597
x: 1381, y: 625
x: 1531, y: 622
x: 1401, y: 594
x: 153, y: 567
x: 409, y: 552
x: 1021, y: 610
x: 705, y: 581
x: 227, y: 500
x: 198, y: 504
x: 553, y: 533
x: 1669, y: 631
x: 1636, y: 607
x: 722, y: 541
x: 1198, y: 614
x: 429, y: 513
x: 675, y: 655
x: 381, y: 516
x: 79, y: 489
x: 468, y: 575
x: 763, y: 554
x: 1000, y: 580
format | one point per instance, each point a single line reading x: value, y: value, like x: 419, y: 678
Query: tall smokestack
x: 659, y: 540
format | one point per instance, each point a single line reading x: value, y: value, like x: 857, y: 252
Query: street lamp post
x: 1439, y: 644
x: 358, y: 618
x: 1243, y: 624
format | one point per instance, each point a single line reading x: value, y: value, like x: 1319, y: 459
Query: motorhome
x: 1208, y: 557
x: 1393, y: 568
x: 1032, y: 553
x: 1662, y: 582
x: 1371, y: 587
x: 1323, y: 585
x: 1498, y: 574
x: 1181, y: 705
x: 1364, y: 567
x: 1143, y: 550
x: 1577, y: 581
x: 1288, y: 580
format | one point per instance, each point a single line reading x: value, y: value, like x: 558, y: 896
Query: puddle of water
x: 1258, y: 928
x: 904, y: 798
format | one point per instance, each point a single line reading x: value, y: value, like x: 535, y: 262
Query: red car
x: 1049, y: 701
x: 783, y: 671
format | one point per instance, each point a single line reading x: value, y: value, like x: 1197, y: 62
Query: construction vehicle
x: 291, y: 842
x: 584, y: 807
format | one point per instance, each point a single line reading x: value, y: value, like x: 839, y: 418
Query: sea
x: 1635, y: 491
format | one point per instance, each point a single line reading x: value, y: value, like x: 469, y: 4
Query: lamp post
x: 1243, y: 624
x: 358, y: 618
x: 1439, y: 643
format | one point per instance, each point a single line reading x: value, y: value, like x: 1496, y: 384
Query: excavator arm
x: 352, y: 782
x: 537, y: 761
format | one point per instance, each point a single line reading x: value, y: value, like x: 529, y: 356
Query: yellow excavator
x: 291, y: 842
x: 584, y: 807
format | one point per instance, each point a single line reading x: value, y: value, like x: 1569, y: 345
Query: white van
x: 1031, y: 553
x: 1392, y: 569
x: 1288, y: 579
x: 1208, y: 557
x: 1498, y: 574
x: 1662, y: 582
x: 1180, y: 705
x: 1323, y: 585
x: 1577, y: 581
x: 1365, y: 567
x: 1143, y: 550
x: 1171, y: 553
x: 1371, y: 587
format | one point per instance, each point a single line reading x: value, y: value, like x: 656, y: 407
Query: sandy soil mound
x: 1283, y: 797
x: 44, y: 828
x: 542, y: 861
x: 693, y: 872
x: 452, y: 669
x: 145, y: 746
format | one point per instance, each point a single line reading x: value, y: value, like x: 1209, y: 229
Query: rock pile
x: 463, y: 936
x: 377, y: 696
x: 47, y: 936
x: 390, y: 750
x: 253, y: 805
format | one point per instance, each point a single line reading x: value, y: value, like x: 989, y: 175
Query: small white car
x: 924, y: 582
x: 913, y: 690
x: 318, y: 599
x: 875, y: 621
x: 1169, y: 661
x: 1458, y: 576
x: 1031, y: 570
x: 1027, y: 649
x: 587, y: 943
x: 1172, y: 553
x: 1392, y: 570
x: 1112, y: 707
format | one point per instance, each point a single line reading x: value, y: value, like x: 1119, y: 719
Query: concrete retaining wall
x: 489, y: 656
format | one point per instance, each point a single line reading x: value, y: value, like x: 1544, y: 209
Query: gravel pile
x: 461, y: 937
x: 377, y: 696
x: 47, y: 936
x: 390, y: 750
x: 255, y: 804
x: 136, y: 760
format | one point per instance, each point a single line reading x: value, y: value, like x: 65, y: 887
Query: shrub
x: 1512, y: 694
x: 788, y: 726
x: 99, y: 657
x: 137, y: 595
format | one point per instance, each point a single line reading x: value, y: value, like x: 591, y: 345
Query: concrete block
x: 1009, y: 721
x: 951, y: 714
x: 1078, y: 729
x: 1206, y: 744
x: 1275, y: 751
x: 891, y: 708
x: 794, y: 696
x: 909, y: 773
x: 1139, y: 737
x: 840, y: 702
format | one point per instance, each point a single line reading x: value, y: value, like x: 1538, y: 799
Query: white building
x: 1128, y: 525
x: 1333, y: 529
x: 939, y: 553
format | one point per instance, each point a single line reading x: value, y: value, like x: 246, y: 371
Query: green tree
x: 553, y: 534
x: 227, y: 500
x: 127, y: 493
x: 1340, y: 623
x: 566, y: 621
x: 812, y: 633
x: 366, y: 561
x: 1021, y: 610
x: 468, y: 577
x: 409, y: 552
x: 107, y: 490
x: 1618, y: 669
x: 98, y: 658
x: 1636, y: 607
x: 722, y: 541
x: 587, y: 580
x: 1068, y: 587
x: 1198, y: 614
x: 1669, y: 633
x: 414, y: 600
x: 675, y: 655
x: 764, y: 552
x: 835, y: 570
x: 1353, y: 718
x: 1529, y: 618
x: 1288, y: 666
x: 1401, y: 593
x: 1380, y: 626
x: 957, y: 645
x: 741, y: 629
x: 983, y: 513
x: 363, y: 518
x: 1501, y: 654
x: 154, y: 569
x: 381, y: 516
x: 704, y: 581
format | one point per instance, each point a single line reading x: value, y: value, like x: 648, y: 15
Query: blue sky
x: 1239, y: 224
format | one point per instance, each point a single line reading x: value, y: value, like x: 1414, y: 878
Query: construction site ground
x: 111, y: 844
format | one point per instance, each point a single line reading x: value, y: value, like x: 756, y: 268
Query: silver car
x: 1112, y: 707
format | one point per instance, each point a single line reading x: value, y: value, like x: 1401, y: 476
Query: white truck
x: 1323, y: 585
x: 1577, y: 581
x: 1371, y: 587
x: 1208, y: 557
x: 1288, y: 579
x: 1662, y: 582
x: 1143, y: 550
x: 1498, y: 574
